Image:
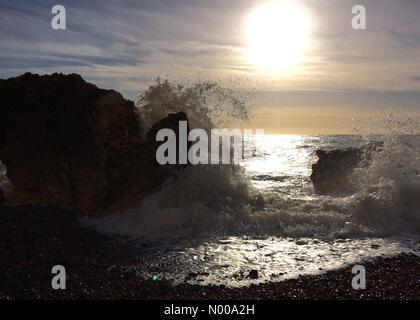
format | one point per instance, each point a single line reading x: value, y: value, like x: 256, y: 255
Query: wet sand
x: 33, y: 240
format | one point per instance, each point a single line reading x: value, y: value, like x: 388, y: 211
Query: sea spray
x: 389, y: 189
x: 207, y: 104
x: 204, y: 224
x: 200, y: 200
x: 225, y: 200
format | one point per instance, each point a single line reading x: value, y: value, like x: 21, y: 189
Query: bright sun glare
x: 277, y: 34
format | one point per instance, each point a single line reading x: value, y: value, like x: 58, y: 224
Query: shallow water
x: 228, y: 261
x: 197, y: 229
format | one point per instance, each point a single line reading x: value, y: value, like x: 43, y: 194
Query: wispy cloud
x: 124, y: 43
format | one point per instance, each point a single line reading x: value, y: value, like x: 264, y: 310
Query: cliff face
x: 67, y: 143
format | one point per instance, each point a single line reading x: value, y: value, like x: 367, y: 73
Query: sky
x: 123, y: 45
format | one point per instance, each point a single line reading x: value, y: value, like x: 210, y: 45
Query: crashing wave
x: 209, y: 199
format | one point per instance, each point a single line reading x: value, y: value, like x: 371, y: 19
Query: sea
x: 214, y: 224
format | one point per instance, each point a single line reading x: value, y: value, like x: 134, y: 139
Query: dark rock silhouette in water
x: 333, y: 172
x: 69, y: 144
x: 171, y: 122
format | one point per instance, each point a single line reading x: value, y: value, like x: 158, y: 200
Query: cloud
x: 415, y: 78
x: 133, y: 41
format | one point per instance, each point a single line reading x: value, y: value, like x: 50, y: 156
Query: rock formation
x: 171, y: 122
x: 333, y: 171
x: 67, y: 143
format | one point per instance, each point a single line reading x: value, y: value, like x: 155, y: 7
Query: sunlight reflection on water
x: 282, y: 169
x: 229, y: 261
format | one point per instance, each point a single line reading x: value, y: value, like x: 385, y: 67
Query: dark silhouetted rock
x: 333, y: 171
x: 170, y: 122
x: 253, y: 274
x: 69, y: 144
x: 61, y: 138
x: 1, y: 196
x: 145, y: 174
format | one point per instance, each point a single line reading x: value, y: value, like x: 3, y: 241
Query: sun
x: 277, y: 34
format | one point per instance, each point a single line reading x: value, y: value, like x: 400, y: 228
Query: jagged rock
x: 61, y: 137
x: 170, y: 122
x: 332, y: 173
x: 64, y: 141
x: 144, y: 173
